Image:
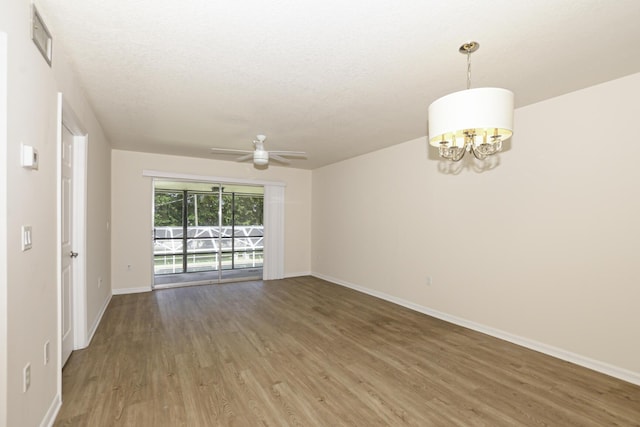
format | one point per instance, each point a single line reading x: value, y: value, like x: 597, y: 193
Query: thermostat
x: 29, y: 157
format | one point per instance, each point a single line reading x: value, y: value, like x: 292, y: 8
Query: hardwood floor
x: 304, y: 352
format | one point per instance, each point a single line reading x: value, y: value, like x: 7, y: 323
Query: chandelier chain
x: 468, y: 69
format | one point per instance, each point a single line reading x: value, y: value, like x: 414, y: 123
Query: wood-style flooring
x: 305, y: 352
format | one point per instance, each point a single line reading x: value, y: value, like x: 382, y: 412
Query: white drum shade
x: 483, y: 109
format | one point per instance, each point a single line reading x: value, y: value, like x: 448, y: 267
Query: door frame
x: 274, y: 221
x: 68, y: 119
x: 219, y: 271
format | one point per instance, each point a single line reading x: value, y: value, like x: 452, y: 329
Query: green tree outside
x: 202, y: 209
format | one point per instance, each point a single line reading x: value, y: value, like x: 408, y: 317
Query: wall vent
x: 41, y: 36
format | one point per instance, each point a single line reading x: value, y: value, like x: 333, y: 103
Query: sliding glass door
x: 207, y: 232
x: 202, y: 249
x: 244, y: 227
x: 168, y: 232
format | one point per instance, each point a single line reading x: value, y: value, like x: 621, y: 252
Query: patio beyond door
x: 207, y: 232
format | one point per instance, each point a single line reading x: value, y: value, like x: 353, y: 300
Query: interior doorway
x: 207, y: 232
x: 72, y: 141
x: 67, y: 244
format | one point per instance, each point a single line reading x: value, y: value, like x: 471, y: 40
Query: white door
x: 68, y: 255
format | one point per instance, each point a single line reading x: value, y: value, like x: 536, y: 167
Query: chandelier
x: 473, y: 120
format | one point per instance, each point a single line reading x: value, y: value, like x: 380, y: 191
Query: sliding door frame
x: 274, y: 216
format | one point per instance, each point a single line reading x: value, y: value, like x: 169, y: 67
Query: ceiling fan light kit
x: 473, y: 120
x: 259, y: 155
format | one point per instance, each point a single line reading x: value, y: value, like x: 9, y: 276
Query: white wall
x: 98, y: 192
x: 31, y: 276
x: 3, y: 229
x: 543, y: 248
x: 132, y: 197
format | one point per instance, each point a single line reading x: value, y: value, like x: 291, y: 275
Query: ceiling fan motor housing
x: 260, y: 157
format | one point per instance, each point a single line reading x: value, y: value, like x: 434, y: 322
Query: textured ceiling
x: 334, y: 78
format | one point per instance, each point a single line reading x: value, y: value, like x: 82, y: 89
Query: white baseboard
x: 577, y: 359
x: 52, y: 412
x: 126, y: 291
x: 290, y: 275
x: 96, y: 323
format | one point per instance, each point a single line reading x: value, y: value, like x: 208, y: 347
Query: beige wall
x: 31, y: 277
x: 98, y: 192
x: 132, y: 203
x: 543, y: 247
x: 3, y: 230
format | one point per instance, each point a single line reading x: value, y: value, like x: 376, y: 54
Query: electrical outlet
x: 47, y: 345
x: 26, y: 377
x: 429, y: 281
x: 99, y: 282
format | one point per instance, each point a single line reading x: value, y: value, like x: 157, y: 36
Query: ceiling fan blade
x: 245, y: 157
x: 278, y: 158
x: 259, y: 155
x: 229, y: 151
x: 289, y: 153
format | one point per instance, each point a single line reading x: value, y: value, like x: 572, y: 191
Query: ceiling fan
x: 259, y: 155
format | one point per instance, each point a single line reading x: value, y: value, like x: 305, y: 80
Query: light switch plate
x: 26, y: 237
x: 29, y: 157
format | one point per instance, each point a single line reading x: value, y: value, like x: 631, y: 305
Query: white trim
x: 79, y: 235
x: 58, y: 248
x: 95, y: 325
x: 152, y: 268
x: 127, y: 291
x: 300, y: 274
x: 596, y: 365
x: 68, y: 119
x: 206, y: 178
x: 52, y: 412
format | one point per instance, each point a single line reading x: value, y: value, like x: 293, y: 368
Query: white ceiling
x: 335, y: 78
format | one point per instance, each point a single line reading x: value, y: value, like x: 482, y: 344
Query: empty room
x: 319, y: 213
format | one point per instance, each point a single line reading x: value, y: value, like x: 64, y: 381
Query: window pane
x: 203, y: 232
x: 168, y: 232
x: 249, y: 209
x: 202, y: 209
x: 202, y: 262
x: 227, y: 263
x: 168, y: 209
x: 248, y: 259
x: 167, y: 264
x: 167, y: 247
x: 227, y: 209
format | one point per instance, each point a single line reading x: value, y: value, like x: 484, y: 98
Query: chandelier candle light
x: 472, y: 120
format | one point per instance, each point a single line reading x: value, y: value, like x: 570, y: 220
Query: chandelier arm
x: 461, y: 154
x: 479, y: 157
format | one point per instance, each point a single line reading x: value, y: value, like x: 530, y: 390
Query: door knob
x: 74, y: 254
